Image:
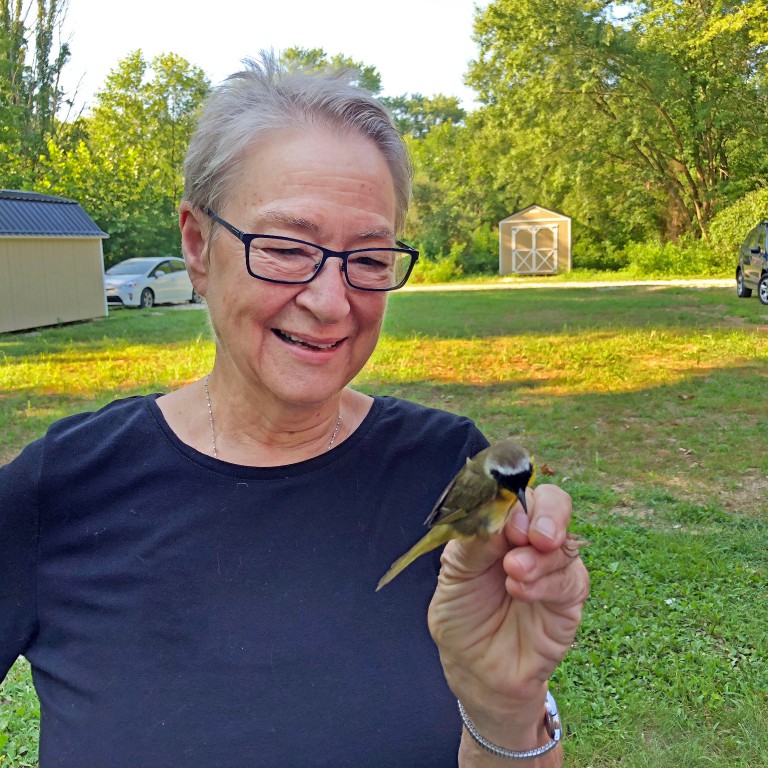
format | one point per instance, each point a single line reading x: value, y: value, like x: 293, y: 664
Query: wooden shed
x: 51, y: 262
x: 535, y: 241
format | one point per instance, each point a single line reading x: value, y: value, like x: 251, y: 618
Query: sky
x: 417, y: 46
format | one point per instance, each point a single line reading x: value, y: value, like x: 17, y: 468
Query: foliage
x: 639, y: 120
x: 30, y: 95
x: 649, y: 107
x: 415, y: 114
x: 686, y: 257
x: 589, y: 251
x: 126, y: 171
x: 733, y: 224
x: 19, y: 719
x: 316, y: 59
x: 439, y: 268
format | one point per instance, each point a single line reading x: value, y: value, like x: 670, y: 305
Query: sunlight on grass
x: 566, y: 364
x: 75, y: 371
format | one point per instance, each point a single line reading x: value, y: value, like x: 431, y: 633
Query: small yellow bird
x: 477, y: 502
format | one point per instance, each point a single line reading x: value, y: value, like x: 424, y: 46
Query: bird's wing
x: 470, y: 489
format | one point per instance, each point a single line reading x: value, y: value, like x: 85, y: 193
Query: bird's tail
x: 436, y: 536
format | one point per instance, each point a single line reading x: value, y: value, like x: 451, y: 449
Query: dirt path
x: 517, y: 283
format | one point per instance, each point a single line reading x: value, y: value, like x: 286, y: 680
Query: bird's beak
x: 521, y: 499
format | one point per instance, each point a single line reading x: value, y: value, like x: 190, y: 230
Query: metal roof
x: 29, y: 214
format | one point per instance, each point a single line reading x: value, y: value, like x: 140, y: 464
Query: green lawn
x: 646, y: 404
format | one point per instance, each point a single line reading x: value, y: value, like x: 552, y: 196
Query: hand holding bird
x: 504, y: 615
x: 478, y: 502
x: 509, y: 595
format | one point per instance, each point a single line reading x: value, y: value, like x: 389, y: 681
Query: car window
x: 753, y: 239
x: 164, y: 266
x: 177, y: 266
x: 130, y: 267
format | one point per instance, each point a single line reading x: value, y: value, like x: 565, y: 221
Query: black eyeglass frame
x: 247, y: 238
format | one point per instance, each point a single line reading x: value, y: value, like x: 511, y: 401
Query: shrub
x: 589, y: 254
x: 683, y: 259
x: 440, y: 268
x: 731, y: 225
x: 480, y: 256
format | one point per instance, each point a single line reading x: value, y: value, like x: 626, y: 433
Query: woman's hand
x: 505, y: 613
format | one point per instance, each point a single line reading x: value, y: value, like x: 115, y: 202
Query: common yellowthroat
x: 476, y: 502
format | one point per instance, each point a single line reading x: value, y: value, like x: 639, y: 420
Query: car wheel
x: 196, y: 297
x: 147, y: 299
x: 741, y: 290
x: 762, y: 289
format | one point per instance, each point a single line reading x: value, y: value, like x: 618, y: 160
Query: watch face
x: 552, y: 720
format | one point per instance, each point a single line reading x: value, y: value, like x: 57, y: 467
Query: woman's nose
x: 326, y: 295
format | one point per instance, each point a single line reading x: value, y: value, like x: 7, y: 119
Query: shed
x: 51, y: 262
x: 535, y: 241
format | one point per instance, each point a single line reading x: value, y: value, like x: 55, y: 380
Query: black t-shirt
x: 179, y: 610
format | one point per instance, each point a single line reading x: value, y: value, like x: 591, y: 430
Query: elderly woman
x: 192, y: 575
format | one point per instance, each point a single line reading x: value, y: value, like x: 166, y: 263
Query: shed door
x: 534, y: 250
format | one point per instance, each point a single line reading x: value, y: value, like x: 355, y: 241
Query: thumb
x: 464, y: 559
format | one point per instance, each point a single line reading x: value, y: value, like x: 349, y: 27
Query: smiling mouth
x: 291, y: 339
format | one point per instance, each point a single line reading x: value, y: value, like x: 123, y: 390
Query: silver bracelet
x: 551, y: 721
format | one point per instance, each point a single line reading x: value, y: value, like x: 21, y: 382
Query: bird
x: 477, y: 502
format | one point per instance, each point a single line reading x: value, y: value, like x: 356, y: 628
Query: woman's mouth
x: 289, y: 338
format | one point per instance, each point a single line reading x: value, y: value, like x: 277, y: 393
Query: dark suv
x: 752, y: 270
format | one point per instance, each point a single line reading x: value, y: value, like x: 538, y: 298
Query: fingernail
x: 545, y: 526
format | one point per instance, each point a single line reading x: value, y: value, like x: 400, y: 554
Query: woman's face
x: 301, y: 344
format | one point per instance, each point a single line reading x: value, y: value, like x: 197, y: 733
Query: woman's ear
x: 194, y: 245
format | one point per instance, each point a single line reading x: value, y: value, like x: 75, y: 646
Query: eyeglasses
x: 290, y: 261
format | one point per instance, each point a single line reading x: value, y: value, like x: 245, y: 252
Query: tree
x: 313, y: 59
x: 127, y: 168
x: 30, y: 94
x: 661, y: 95
x: 416, y: 114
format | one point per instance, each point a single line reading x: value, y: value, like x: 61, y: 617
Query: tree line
x: 645, y: 121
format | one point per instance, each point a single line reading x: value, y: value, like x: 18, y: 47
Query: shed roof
x: 555, y: 214
x: 29, y: 214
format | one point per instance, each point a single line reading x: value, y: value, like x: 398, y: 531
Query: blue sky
x: 418, y: 46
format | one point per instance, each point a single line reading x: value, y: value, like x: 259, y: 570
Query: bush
x: 440, y: 268
x: 731, y: 225
x: 480, y: 256
x: 600, y: 256
x: 684, y: 259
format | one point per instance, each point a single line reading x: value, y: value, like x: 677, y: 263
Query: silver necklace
x: 213, y: 433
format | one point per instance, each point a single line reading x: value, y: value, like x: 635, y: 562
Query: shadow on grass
x: 164, y: 326
x: 696, y: 438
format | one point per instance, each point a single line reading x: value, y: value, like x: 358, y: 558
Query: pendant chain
x: 213, y: 433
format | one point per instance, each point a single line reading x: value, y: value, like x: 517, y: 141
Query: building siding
x: 47, y: 282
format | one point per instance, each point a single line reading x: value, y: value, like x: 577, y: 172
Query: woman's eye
x: 288, y: 253
x: 371, y: 261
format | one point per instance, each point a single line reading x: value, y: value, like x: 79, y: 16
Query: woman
x: 192, y: 575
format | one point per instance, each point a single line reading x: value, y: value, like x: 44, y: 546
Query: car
x: 752, y: 269
x: 146, y: 281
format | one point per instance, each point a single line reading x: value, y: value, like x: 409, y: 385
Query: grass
x: 645, y: 403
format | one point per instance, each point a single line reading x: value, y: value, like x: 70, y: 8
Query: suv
x: 752, y: 270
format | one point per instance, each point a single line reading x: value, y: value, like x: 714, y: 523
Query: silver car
x: 144, y: 282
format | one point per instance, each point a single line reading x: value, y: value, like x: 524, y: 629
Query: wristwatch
x: 552, y: 723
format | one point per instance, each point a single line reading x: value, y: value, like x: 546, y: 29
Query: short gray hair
x: 263, y: 98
